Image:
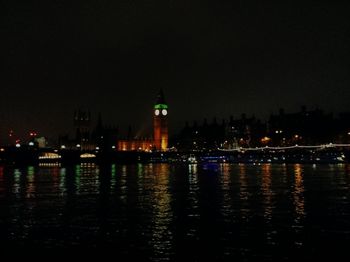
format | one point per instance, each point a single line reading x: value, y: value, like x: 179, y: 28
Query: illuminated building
x: 135, y: 145
x: 160, y: 131
x: 41, y: 142
x: 160, y: 123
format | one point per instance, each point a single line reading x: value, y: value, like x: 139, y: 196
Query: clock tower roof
x: 160, y: 97
x: 160, y: 102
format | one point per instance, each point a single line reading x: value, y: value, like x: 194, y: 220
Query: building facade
x: 160, y: 123
x: 160, y: 139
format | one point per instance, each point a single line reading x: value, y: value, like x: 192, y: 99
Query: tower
x: 160, y: 123
x: 82, y: 121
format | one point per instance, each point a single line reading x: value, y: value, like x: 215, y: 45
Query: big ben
x: 160, y: 123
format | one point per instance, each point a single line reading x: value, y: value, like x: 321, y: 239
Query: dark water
x: 163, y: 212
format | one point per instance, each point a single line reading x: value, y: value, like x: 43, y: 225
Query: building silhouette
x: 82, y: 125
x: 306, y: 127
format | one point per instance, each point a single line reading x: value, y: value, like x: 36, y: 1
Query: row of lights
x: 79, y: 146
x: 18, y: 145
x: 264, y: 139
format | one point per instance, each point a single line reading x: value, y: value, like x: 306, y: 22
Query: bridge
x: 33, y: 156
x: 284, y: 148
x: 326, y: 153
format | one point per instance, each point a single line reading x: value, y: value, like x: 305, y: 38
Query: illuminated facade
x: 160, y: 123
x: 145, y: 145
x: 160, y: 131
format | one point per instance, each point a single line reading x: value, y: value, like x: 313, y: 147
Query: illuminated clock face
x: 156, y: 112
x: 164, y: 112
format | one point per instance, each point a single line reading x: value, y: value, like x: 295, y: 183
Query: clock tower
x: 160, y: 123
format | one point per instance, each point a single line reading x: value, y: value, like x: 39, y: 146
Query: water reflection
x: 77, y: 179
x: 162, y: 214
x: 113, y: 177
x: 225, y: 181
x: 30, y: 190
x: 62, y: 181
x: 55, y: 177
x: 193, y: 201
x: 243, y: 193
x: 16, y: 187
x: 86, y: 178
x: 158, y: 210
x: 123, y: 184
x: 193, y: 182
x: 267, y: 191
x: 298, y: 193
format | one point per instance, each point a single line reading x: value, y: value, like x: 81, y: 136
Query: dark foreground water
x: 162, y: 212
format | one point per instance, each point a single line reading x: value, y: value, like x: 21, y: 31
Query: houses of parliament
x: 108, y: 138
x: 160, y: 131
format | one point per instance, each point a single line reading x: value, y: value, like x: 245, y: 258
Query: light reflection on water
x: 162, y: 237
x: 244, y: 193
x: 174, y: 212
x: 266, y: 191
x: 298, y: 192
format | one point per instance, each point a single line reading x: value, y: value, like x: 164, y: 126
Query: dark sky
x: 211, y: 59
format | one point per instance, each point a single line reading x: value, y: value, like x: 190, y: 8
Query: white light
x: 31, y: 143
x: 78, y: 145
x: 50, y: 156
x: 18, y: 145
x: 164, y: 112
x: 157, y: 112
x: 87, y: 155
x: 97, y: 148
x: 63, y: 147
x: 113, y: 147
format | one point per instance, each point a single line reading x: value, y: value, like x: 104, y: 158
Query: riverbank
x: 18, y: 156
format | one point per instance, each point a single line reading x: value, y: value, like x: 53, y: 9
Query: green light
x: 113, y: 170
x: 161, y: 106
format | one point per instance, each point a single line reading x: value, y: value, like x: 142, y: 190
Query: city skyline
x: 311, y: 123
x: 211, y: 60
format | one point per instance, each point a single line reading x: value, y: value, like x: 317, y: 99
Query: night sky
x: 212, y: 59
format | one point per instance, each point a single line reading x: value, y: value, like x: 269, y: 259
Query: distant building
x: 136, y: 145
x: 306, y: 127
x: 83, y: 137
x: 104, y: 137
x: 160, y: 123
x: 159, y: 142
x: 41, y: 141
x: 82, y: 124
